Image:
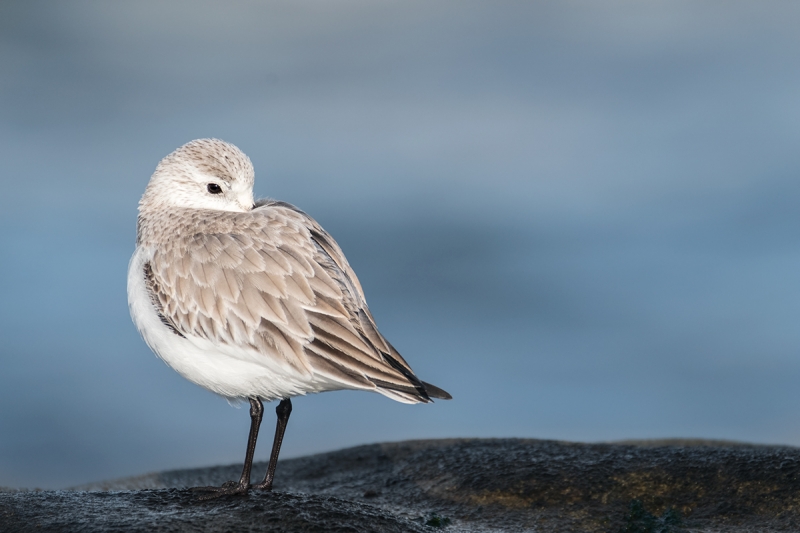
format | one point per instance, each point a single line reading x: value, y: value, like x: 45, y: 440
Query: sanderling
x: 252, y: 299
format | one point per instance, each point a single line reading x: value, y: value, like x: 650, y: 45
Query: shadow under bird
x: 252, y: 300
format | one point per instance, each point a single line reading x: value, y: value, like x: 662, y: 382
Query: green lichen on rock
x: 436, y: 521
x: 640, y: 520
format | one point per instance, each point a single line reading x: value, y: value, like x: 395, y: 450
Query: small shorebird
x: 252, y: 300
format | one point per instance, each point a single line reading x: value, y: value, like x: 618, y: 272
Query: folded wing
x: 274, y: 281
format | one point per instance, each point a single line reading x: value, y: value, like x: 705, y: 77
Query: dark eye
x: 213, y: 188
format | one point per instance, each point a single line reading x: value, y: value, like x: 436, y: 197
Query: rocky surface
x: 455, y: 485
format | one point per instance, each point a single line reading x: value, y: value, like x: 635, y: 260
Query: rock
x: 458, y: 485
x: 179, y: 510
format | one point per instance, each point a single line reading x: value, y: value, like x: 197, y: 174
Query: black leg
x: 283, y: 411
x: 231, y: 487
x: 256, y: 414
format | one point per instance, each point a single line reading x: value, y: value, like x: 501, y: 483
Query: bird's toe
x: 229, y: 488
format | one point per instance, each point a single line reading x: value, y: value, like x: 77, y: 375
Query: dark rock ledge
x: 453, y: 485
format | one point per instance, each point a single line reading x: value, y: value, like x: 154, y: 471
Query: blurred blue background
x: 580, y: 218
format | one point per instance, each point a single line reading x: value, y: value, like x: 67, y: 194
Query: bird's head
x: 202, y: 174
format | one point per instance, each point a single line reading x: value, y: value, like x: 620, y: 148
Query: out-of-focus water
x: 579, y: 218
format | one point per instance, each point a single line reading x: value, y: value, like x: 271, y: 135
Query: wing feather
x: 262, y: 304
x: 323, y: 284
x: 266, y: 283
x: 293, y: 255
x: 296, y: 319
x: 340, y: 333
x: 286, y: 344
x: 208, y: 246
x: 228, y: 286
x: 355, y: 366
x: 327, y: 369
x: 298, y: 289
x: 198, y: 274
x: 253, y: 261
x: 272, y: 280
x: 330, y: 306
x: 231, y: 256
x: 276, y: 263
x: 181, y: 265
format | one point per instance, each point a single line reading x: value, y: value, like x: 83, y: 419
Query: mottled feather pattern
x: 273, y: 280
x: 154, y: 290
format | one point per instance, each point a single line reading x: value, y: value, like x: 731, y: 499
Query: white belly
x: 233, y: 372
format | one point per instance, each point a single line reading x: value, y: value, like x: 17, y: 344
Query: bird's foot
x: 229, y: 488
x: 262, y: 486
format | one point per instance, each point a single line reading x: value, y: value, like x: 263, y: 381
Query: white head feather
x: 202, y: 174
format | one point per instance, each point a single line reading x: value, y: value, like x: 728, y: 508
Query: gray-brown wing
x: 359, y: 316
x: 333, y: 255
x: 274, y: 281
